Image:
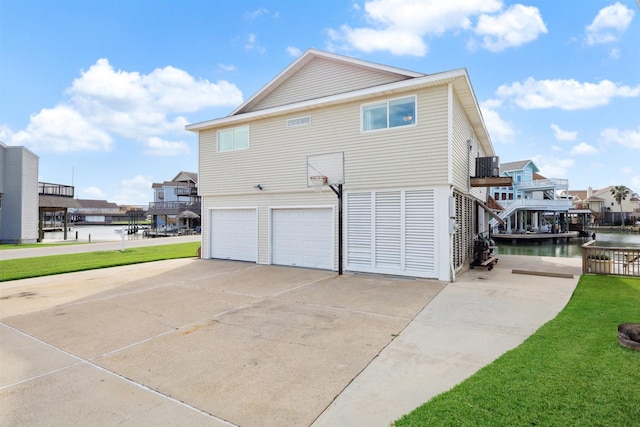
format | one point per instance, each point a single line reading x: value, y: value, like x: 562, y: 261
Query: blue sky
x: 101, y: 90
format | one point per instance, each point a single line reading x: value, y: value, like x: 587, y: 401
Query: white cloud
x: 428, y: 16
x: 583, y: 149
x: 138, y: 181
x: 156, y: 146
x: 552, y: 167
x: 293, y: 51
x: 93, y: 193
x: 500, y: 130
x: 368, y: 40
x: 166, y: 90
x: 257, y: 13
x: 610, y: 22
x: 627, y: 170
x: 564, y: 94
x: 614, y: 53
x: 563, y: 135
x: 5, y: 133
x: 399, y: 26
x: 62, y: 129
x: 134, y: 191
x: 104, y: 103
x: 251, y: 44
x: 512, y: 28
x: 627, y: 138
x: 225, y: 67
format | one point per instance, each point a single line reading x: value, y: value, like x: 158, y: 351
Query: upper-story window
x: 233, y: 139
x: 389, y: 114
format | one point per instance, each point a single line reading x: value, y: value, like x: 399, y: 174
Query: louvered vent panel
x: 420, y: 230
x: 359, y: 229
x: 388, y: 229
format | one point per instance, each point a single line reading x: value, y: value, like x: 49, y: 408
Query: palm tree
x: 620, y: 193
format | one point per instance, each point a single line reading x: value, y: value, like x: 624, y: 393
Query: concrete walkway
x: 465, y: 327
x: 205, y: 342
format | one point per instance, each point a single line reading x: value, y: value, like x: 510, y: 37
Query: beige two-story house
x: 401, y: 148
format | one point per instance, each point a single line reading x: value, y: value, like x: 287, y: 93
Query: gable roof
x: 186, y: 176
x: 48, y: 201
x: 578, y: 194
x: 333, y: 87
x: 517, y: 166
x: 406, y: 80
x: 96, y: 204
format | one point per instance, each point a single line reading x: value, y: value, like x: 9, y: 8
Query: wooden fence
x: 610, y: 260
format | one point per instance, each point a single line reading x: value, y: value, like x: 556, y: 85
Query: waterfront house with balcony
x: 603, y: 208
x: 176, y: 203
x: 55, y: 202
x: 532, y: 203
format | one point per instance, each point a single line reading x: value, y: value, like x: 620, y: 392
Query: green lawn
x: 571, y: 372
x: 23, y: 268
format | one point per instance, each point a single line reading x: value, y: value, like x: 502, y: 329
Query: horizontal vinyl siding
x: 323, y: 77
x: 400, y: 157
x: 462, y: 160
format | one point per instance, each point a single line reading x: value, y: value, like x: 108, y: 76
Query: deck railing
x: 552, y: 183
x: 49, y: 189
x: 610, y: 260
x: 174, y: 205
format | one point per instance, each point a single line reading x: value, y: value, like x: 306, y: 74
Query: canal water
x: 96, y: 233
x: 609, y: 238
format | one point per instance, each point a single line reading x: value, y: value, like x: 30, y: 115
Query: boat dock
x: 535, y: 237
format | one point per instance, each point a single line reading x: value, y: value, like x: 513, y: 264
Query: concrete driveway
x: 194, y: 342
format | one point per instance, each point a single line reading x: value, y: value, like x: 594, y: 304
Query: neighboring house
x: 96, y: 212
x: 176, y: 202
x: 18, y: 195
x: 532, y: 202
x: 56, y: 201
x: 603, y: 206
x: 398, y: 145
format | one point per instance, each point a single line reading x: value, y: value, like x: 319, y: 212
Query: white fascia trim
x: 388, y: 89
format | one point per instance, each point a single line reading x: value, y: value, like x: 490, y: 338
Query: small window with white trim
x: 389, y: 114
x: 233, y: 139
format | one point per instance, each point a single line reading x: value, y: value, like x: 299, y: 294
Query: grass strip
x: 24, y: 268
x: 572, y: 371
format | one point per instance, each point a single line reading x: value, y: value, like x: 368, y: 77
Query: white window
x: 233, y: 139
x: 389, y: 114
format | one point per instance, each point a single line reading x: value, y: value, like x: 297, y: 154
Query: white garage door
x: 391, y: 232
x: 234, y: 234
x: 302, y: 237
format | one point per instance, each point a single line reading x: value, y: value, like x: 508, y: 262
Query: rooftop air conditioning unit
x: 487, y: 167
